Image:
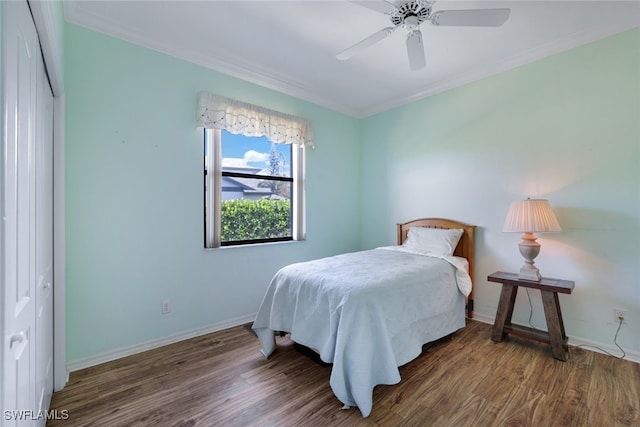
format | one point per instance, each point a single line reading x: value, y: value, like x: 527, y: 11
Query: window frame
x: 213, y: 216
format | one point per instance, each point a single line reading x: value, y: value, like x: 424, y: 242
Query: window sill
x: 250, y: 245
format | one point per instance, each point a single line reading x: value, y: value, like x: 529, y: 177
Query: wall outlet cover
x: 166, y: 308
x: 620, y: 313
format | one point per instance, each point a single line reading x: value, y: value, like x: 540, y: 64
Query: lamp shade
x: 530, y: 216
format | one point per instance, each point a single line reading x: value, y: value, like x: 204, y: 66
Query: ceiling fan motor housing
x: 411, y: 14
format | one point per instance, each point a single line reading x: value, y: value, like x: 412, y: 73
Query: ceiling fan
x: 410, y: 14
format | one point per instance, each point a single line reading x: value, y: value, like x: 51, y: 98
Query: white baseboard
x: 108, y: 356
x: 597, y: 347
x: 630, y: 355
x: 483, y: 318
x: 118, y: 353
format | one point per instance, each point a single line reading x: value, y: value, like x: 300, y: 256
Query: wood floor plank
x: 571, y: 406
x: 627, y: 393
x: 222, y: 379
x: 521, y: 408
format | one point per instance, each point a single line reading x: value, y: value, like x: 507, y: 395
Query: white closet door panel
x: 23, y: 260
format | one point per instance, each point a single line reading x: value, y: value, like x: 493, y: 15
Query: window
x: 254, y: 200
x: 253, y: 173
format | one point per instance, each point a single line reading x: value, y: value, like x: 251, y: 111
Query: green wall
x: 566, y: 128
x: 134, y: 197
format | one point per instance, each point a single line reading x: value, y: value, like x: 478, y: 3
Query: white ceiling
x: 290, y: 45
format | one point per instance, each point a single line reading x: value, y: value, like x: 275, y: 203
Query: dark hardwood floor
x: 222, y: 379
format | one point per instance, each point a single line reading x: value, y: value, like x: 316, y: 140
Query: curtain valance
x: 218, y: 112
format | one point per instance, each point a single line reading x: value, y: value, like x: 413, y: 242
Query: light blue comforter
x: 365, y: 312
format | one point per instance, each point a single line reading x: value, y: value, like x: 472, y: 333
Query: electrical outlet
x: 620, y: 313
x: 166, y: 309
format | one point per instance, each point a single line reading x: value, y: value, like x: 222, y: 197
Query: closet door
x: 24, y: 231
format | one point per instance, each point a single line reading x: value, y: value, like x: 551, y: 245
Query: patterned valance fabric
x: 218, y: 112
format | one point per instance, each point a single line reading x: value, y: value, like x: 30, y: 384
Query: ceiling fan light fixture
x: 411, y: 22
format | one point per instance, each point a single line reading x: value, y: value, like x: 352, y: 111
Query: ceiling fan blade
x: 415, y: 49
x: 363, y: 44
x: 471, y: 17
x: 381, y: 6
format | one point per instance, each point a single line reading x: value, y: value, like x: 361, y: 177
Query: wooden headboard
x: 464, y: 249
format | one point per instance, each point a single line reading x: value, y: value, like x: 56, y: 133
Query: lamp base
x: 529, y: 272
x: 529, y: 250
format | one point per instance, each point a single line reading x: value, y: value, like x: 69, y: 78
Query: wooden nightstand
x: 549, y: 289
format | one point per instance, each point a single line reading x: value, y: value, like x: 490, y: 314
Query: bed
x: 369, y: 312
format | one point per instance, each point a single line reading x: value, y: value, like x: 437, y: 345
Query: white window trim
x: 213, y: 139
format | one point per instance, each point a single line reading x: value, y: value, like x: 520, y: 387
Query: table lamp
x: 528, y: 217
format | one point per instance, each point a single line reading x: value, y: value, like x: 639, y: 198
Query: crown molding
x: 558, y: 46
x: 254, y: 73
x: 234, y: 67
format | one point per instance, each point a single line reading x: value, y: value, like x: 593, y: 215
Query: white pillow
x: 432, y: 240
